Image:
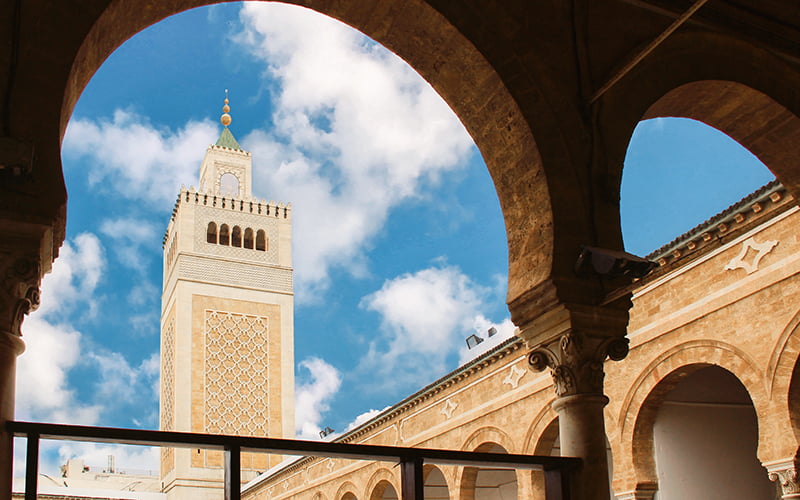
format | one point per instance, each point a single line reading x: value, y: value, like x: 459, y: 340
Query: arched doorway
x: 706, y: 428
x: 435, y: 486
x: 384, y: 491
x: 489, y: 484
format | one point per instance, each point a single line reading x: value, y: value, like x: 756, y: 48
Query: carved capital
x: 20, y: 277
x: 576, y: 361
x: 785, y: 474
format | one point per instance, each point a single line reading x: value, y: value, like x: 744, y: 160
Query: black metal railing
x: 556, y: 469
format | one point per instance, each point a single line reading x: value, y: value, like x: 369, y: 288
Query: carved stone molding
x: 515, y: 373
x: 576, y: 361
x: 758, y: 250
x: 20, y: 277
x: 785, y: 474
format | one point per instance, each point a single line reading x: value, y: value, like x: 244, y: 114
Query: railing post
x: 411, y: 482
x: 556, y: 484
x: 233, y: 472
x: 32, y: 467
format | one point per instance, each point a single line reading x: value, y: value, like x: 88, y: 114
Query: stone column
x: 573, y: 341
x: 25, y: 251
x: 785, y: 474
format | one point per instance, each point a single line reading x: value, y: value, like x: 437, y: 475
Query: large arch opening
x: 230, y: 234
x: 705, y: 426
x: 435, y: 484
x: 383, y: 491
x: 488, y: 484
x: 678, y: 173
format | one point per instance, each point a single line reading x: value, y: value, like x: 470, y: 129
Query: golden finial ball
x: 226, y: 108
x: 225, y: 119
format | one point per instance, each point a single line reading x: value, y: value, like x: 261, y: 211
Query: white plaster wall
x: 708, y: 451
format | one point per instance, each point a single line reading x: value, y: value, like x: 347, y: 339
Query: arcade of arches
x: 550, y: 91
x: 702, y: 407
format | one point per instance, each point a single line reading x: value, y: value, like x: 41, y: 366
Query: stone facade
x: 729, y: 301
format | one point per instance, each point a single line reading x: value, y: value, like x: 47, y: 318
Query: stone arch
x: 537, y: 435
x: 346, y: 491
x: 378, y: 482
x: 469, y: 481
x: 784, y: 356
x: 248, y: 239
x: 261, y: 240
x: 318, y: 496
x: 211, y: 233
x: 723, y: 82
x: 236, y: 237
x: 439, y: 489
x: 489, y: 435
x: 224, y: 235
x: 539, y: 441
x: 457, y: 70
x: 638, y: 411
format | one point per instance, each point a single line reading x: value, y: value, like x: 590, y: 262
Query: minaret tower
x: 227, y: 351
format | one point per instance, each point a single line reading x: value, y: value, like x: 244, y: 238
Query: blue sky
x: 387, y: 189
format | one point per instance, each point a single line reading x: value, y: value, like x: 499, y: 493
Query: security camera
x: 612, y: 263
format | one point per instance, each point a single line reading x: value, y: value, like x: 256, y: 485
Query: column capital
x: 785, y: 473
x: 25, y: 255
x: 576, y: 361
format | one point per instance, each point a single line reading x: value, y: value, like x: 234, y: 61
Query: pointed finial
x: 225, y: 119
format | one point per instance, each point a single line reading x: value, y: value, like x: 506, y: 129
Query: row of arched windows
x: 236, y: 237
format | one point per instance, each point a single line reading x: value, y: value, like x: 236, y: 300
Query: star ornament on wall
x: 750, y: 255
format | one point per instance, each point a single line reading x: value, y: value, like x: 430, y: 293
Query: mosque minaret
x: 227, y: 352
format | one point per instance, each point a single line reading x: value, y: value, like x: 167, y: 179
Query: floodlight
x: 473, y: 340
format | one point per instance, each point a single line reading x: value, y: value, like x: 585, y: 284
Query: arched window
x: 224, y: 235
x: 248, y: 238
x: 236, y: 237
x: 261, y: 240
x: 211, y: 234
x: 229, y: 185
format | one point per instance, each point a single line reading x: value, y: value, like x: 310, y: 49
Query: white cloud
x: 74, y: 277
x: 130, y: 157
x: 132, y: 241
x: 363, y: 418
x: 425, y: 317
x: 312, y: 398
x: 53, y: 347
x: 357, y: 133
x: 43, y: 392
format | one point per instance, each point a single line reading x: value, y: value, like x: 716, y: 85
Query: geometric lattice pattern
x: 168, y: 392
x: 236, y: 381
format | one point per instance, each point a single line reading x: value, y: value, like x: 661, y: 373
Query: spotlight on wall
x: 612, y: 263
x: 324, y: 432
x: 473, y: 340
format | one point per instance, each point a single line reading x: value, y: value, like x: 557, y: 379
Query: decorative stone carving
x: 229, y: 409
x: 576, y: 361
x: 20, y: 291
x: 514, y: 376
x: 751, y: 266
x: 785, y: 475
x: 448, y: 408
